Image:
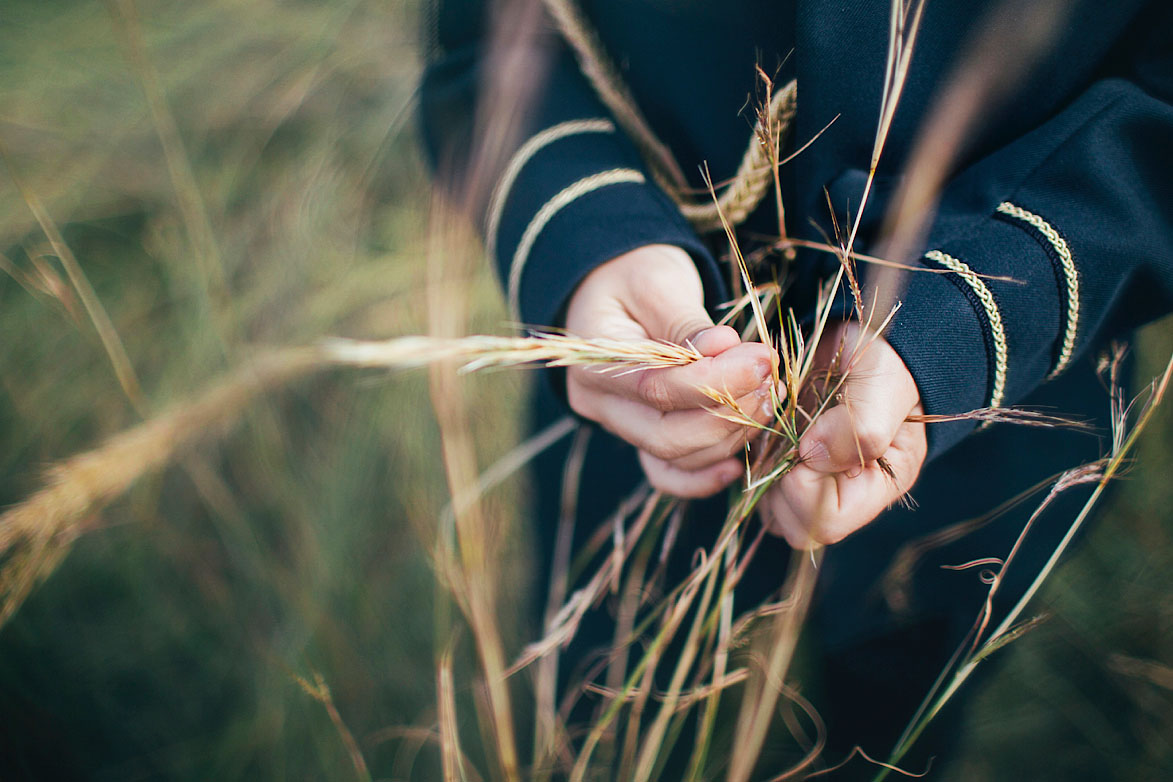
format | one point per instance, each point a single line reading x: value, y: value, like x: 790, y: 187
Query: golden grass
x: 488, y: 352
x: 35, y: 533
x: 720, y: 651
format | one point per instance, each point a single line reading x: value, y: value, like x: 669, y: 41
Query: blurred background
x: 234, y: 174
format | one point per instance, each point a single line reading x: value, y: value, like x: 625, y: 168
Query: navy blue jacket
x: 1067, y: 188
x: 1080, y: 159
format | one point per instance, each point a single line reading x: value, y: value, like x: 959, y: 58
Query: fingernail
x: 813, y: 452
x: 764, y: 370
x: 767, y: 400
x: 695, y: 338
x: 854, y: 472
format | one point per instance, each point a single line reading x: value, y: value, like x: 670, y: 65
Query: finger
x: 667, y: 298
x: 732, y: 446
x: 865, y: 496
x: 667, y: 436
x: 758, y: 406
x: 714, y: 339
x: 736, y: 371
x: 803, y: 494
x: 652, y: 292
x: 825, y: 508
x: 878, y: 395
x: 689, y: 483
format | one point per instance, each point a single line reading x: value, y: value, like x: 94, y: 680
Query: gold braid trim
x: 1070, y: 274
x: 754, y: 174
x: 998, y: 390
x: 535, y: 144
x: 604, y: 77
x: 563, y: 199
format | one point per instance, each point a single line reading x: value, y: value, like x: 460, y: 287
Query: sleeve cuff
x: 573, y: 198
x: 985, y: 333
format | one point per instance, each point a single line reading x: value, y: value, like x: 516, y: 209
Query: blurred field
x: 164, y: 647
x: 290, y: 204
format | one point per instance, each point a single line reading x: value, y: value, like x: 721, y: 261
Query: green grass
x: 164, y: 647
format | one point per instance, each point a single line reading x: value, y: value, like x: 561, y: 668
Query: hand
x: 655, y: 292
x: 838, y: 486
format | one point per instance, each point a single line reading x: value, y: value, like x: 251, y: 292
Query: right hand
x: 654, y: 292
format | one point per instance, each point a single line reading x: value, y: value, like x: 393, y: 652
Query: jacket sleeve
x: 1079, y: 213
x: 569, y: 194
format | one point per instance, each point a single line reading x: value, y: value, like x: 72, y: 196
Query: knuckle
x: 873, y: 441
x: 826, y: 536
x: 775, y: 527
x: 666, y: 451
x: 658, y: 477
x: 682, y: 330
x: 658, y: 483
x: 579, y: 399
x: 654, y: 389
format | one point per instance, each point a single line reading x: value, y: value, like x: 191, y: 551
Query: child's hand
x: 655, y: 292
x: 839, y: 486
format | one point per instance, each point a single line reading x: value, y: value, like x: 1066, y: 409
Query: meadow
x: 236, y: 175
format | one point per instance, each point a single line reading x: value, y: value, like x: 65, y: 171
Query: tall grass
x: 297, y: 597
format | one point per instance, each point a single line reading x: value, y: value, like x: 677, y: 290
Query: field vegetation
x: 185, y: 187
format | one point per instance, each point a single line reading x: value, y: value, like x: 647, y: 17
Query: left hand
x: 838, y: 487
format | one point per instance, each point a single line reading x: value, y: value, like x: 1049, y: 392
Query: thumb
x: 669, y: 299
x: 878, y: 395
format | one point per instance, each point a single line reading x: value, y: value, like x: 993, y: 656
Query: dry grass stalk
x: 757, y: 707
x: 769, y: 132
x: 684, y: 699
x: 1151, y: 671
x: 904, y: 22
x: 1125, y: 437
x: 187, y: 193
x: 564, y: 624
x: 874, y: 260
x: 450, y: 753
x: 814, y: 749
x: 654, y: 737
x: 475, y: 353
x: 898, y: 575
x: 81, y: 485
x: 508, y: 465
x: 635, y: 592
x: 111, y: 342
x: 35, y: 533
x: 675, y: 614
x: 546, y: 725
x: 320, y: 692
x: 859, y: 751
x: 1008, y: 415
x: 477, y: 535
x: 415, y: 739
x: 720, y: 662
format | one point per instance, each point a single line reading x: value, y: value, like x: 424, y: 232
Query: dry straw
x: 637, y: 724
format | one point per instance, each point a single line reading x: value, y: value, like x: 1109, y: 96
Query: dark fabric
x: 1083, y: 141
x: 876, y: 641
